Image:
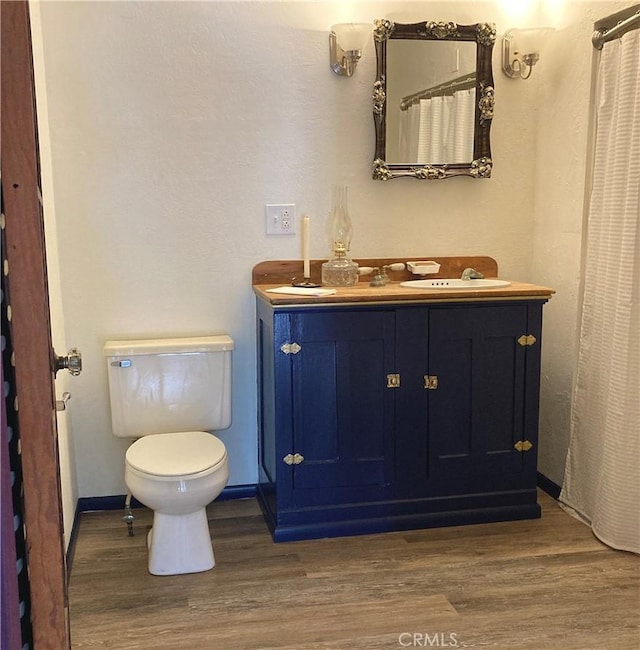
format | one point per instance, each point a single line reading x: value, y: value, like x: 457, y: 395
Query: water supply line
x: 128, y: 515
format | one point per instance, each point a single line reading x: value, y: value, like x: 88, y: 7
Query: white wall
x: 173, y: 123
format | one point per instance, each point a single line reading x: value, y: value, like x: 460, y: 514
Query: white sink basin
x: 454, y: 283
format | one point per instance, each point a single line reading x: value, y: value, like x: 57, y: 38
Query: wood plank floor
x: 539, y: 584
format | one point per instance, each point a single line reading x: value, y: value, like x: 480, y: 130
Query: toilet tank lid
x: 217, y: 343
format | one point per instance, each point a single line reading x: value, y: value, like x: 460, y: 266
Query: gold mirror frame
x: 484, y: 35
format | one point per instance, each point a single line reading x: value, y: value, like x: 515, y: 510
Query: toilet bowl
x: 169, y: 395
x: 177, y: 475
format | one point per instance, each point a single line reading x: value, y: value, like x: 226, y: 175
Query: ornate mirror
x: 433, y: 100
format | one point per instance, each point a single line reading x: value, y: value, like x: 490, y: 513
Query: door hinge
x: 523, y: 445
x: 431, y: 382
x: 290, y: 348
x: 527, y: 339
x: 393, y: 381
x: 293, y: 459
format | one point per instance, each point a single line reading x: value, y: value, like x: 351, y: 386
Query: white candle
x: 305, y: 246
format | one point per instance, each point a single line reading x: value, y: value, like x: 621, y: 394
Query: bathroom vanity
x: 394, y: 408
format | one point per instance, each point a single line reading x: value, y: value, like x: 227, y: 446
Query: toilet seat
x: 176, y: 456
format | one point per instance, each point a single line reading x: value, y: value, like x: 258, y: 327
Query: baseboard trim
x: 116, y: 502
x: 71, y: 548
x: 238, y: 492
x: 548, y: 486
x: 113, y: 502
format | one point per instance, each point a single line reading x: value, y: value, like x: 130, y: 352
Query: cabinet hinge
x: 293, y: 459
x: 393, y: 381
x: 523, y: 445
x: 290, y: 348
x: 431, y: 382
x: 527, y: 339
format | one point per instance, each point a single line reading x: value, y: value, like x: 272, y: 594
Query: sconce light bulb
x: 346, y: 43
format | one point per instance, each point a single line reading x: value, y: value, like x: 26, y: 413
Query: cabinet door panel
x: 499, y: 403
x: 450, y: 406
x: 476, y: 413
x: 314, y: 396
x: 343, y: 412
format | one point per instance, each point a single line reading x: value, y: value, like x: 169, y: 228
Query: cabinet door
x: 476, y: 414
x: 342, y: 411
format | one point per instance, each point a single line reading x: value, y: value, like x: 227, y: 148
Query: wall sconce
x: 521, y: 50
x: 346, y: 42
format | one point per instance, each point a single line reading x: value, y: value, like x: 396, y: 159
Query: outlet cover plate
x: 280, y: 218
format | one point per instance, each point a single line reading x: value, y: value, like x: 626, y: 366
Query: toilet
x: 170, y: 394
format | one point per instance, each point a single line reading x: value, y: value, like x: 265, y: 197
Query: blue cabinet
x: 376, y: 418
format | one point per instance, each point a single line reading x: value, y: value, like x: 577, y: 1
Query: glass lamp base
x: 340, y: 272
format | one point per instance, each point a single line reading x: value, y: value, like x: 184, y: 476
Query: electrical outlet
x: 280, y: 219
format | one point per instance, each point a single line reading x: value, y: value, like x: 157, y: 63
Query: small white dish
x: 425, y: 267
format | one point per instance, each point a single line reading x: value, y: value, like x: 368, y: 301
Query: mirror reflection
x: 433, y: 99
x: 430, y: 103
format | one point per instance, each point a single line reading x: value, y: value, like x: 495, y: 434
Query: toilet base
x: 180, y: 544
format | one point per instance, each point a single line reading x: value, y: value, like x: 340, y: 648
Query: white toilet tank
x: 169, y: 385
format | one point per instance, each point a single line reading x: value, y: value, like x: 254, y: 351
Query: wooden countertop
x: 273, y: 274
x: 394, y: 293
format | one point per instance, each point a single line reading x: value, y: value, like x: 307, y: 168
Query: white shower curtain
x: 439, y: 130
x: 602, y: 476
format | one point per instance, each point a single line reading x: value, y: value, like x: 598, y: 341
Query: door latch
x: 393, y: 381
x: 431, y: 382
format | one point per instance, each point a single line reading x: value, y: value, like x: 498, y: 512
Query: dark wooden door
x: 31, y: 333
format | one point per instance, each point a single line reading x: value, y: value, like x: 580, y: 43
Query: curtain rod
x: 625, y: 21
x: 466, y: 81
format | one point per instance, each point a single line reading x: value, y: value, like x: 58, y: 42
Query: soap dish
x: 423, y: 267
